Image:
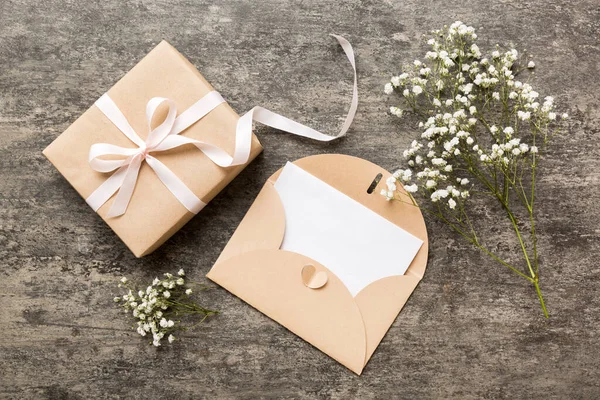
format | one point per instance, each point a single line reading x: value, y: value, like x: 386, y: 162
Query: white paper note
x: 358, y: 245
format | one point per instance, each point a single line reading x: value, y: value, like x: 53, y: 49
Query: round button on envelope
x: 312, y: 278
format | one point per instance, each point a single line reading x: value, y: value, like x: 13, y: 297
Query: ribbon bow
x: 166, y: 136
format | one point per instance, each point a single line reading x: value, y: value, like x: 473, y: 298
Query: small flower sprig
x: 483, y: 132
x: 157, y: 308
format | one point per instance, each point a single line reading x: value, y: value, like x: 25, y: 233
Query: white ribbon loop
x: 166, y: 136
x: 108, y: 107
x: 125, y: 178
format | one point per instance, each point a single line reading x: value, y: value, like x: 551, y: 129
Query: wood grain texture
x: 471, y: 330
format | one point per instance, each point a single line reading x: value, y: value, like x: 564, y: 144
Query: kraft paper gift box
x: 153, y: 214
x: 343, y: 320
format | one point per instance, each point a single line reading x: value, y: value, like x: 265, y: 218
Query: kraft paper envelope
x: 346, y: 314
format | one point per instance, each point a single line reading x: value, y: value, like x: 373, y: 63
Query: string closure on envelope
x: 166, y: 136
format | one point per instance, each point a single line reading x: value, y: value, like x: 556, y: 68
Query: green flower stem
x: 521, y: 242
x: 198, y: 323
x: 539, y: 293
x: 470, y: 239
x: 534, y: 278
x: 193, y: 308
x: 534, y: 274
x: 476, y: 243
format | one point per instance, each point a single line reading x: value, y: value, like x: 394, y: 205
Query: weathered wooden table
x: 470, y: 330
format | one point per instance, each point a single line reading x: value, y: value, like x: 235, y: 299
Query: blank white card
x: 358, y: 245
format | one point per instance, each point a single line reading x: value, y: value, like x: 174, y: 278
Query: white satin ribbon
x: 166, y: 136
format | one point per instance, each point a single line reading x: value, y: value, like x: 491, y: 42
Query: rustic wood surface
x: 471, y: 329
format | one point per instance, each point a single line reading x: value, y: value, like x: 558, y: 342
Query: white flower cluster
x: 459, y: 91
x: 150, y: 306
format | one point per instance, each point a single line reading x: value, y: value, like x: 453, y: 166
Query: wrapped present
x: 160, y: 144
x: 153, y: 213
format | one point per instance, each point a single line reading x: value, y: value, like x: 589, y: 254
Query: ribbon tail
x: 181, y: 192
x: 347, y: 47
x: 259, y: 114
x: 123, y: 197
x: 282, y: 123
x: 107, y: 189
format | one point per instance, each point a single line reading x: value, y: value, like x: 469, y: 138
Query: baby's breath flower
x: 431, y: 55
x: 396, y: 111
x: 391, y: 183
x: 388, y: 194
x: 439, y: 194
x: 480, y: 125
x: 524, y: 116
x: 161, y: 299
x: 411, y: 188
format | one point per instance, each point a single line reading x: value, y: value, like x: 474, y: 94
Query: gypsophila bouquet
x: 158, y: 307
x: 482, y: 132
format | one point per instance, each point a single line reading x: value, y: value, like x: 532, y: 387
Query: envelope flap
x: 272, y: 282
x: 263, y: 226
x: 380, y: 303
